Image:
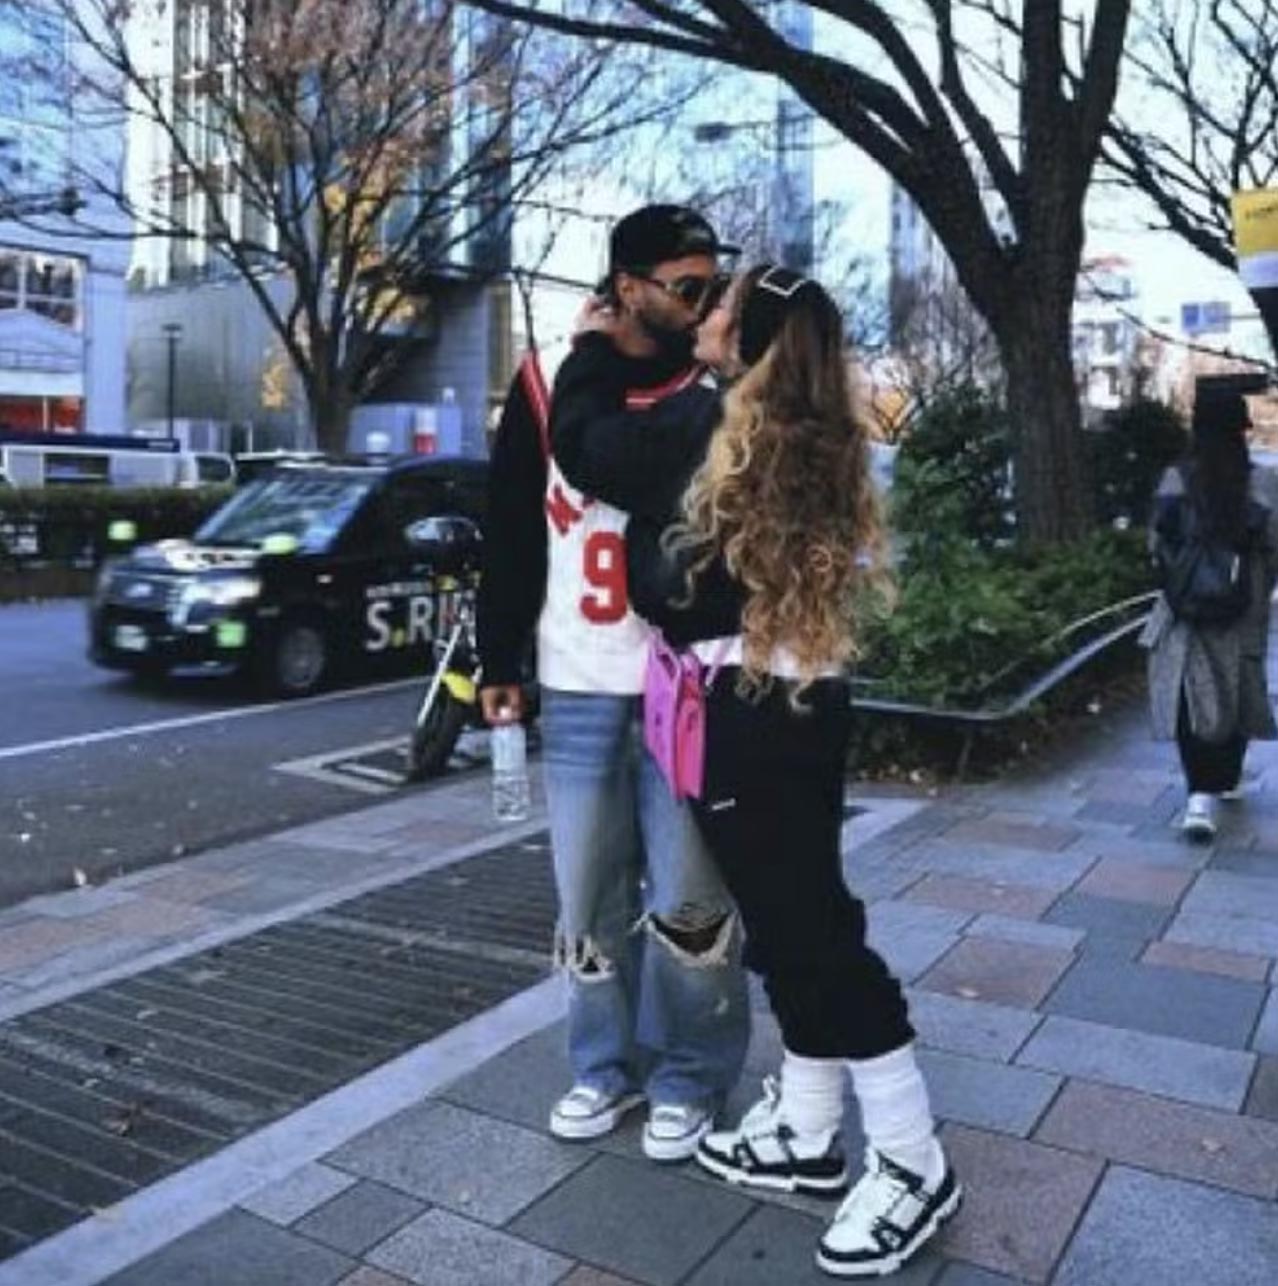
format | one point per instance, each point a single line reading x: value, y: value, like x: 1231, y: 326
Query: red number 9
x: 604, y: 565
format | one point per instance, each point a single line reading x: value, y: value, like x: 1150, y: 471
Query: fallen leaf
x: 1212, y: 1146
x: 968, y: 993
x: 119, y: 1124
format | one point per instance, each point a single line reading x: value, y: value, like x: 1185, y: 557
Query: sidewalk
x: 1094, y: 998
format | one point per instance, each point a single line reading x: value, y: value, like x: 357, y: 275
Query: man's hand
x: 502, y: 703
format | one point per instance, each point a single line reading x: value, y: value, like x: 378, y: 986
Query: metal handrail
x: 975, y: 718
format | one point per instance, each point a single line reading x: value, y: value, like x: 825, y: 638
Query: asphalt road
x: 100, y: 775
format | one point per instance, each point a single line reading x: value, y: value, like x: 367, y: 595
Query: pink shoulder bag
x: 674, y: 714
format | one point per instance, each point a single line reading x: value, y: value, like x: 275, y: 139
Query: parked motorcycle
x: 450, y: 703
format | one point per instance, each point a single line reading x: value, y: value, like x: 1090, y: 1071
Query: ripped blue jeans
x: 630, y: 868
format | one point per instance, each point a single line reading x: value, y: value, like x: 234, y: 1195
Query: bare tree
x: 1204, y: 115
x: 912, y: 94
x: 339, y: 156
x: 939, y: 340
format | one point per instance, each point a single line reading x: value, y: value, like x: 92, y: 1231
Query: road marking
x: 374, y: 774
x: 343, y: 767
x: 333, y: 769
x: 194, y: 720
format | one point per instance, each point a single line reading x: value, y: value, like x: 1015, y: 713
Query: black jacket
x: 642, y: 463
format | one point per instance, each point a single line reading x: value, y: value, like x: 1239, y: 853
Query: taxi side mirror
x: 448, y: 540
x: 280, y: 543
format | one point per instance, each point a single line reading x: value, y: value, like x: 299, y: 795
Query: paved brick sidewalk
x: 1095, y: 1000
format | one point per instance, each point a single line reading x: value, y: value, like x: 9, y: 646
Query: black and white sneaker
x: 888, y: 1216
x: 764, y: 1151
x: 589, y: 1113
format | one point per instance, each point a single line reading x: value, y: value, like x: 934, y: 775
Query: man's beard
x: 671, y: 343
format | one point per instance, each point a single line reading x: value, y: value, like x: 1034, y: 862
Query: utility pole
x: 173, y: 335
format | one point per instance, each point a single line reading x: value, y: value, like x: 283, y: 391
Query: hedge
x: 51, y: 538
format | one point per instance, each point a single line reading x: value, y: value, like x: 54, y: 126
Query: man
x: 647, y: 935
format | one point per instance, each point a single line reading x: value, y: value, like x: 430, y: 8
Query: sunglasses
x: 700, y: 294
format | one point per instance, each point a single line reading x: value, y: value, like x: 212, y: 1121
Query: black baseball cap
x: 656, y: 234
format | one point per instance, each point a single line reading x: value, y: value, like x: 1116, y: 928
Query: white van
x: 53, y: 459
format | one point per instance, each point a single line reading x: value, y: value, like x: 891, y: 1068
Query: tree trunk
x: 330, y: 409
x: 1053, y: 500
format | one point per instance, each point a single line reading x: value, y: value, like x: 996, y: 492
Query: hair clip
x: 765, y: 282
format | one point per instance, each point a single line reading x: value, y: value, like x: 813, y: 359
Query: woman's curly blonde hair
x: 785, y: 495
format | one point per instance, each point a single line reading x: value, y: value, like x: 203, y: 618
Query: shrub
x: 972, y: 629
x: 967, y: 615
x: 952, y: 474
x: 68, y: 525
x: 1128, y: 456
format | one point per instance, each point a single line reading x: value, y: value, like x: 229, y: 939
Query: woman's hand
x: 597, y: 315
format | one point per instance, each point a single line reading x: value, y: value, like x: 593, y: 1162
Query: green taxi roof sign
x: 122, y: 530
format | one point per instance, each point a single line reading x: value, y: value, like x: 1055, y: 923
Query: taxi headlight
x: 227, y: 591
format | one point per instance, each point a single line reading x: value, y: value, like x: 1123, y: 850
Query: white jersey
x: 588, y: 638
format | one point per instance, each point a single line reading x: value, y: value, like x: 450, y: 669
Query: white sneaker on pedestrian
x: 764, y: 1151
x: 1233, y: 795
x: 885, y: 1219
x: 589, y: 1113
x: 674, y: 1130
x: 1199, y: 821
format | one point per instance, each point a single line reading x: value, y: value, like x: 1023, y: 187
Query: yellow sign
x: 1255, y: 222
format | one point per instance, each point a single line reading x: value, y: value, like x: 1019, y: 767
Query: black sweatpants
x: 771, y: 813
x: 1209, y: 767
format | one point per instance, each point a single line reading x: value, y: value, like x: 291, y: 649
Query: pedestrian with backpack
x: 1214, y: 538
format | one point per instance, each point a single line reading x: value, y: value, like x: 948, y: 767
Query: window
x: 52, y: 287
x: 49, y: 285
x: 10, y: 279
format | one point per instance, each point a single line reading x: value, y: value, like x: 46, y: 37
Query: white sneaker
x: 1199, y: 821
x: 674, y: 1130
x: 1233, y: 796
x: 764, y: 1151
x: 589, y: 1113
x: 885, y: 1219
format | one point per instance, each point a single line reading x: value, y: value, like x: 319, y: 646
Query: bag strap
x: 716, y: 665
x: 663, y: 646
x: 538, y: 395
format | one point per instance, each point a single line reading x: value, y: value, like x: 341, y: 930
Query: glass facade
x: 35, y: 98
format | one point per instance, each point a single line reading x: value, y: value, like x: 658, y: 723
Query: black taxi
x: 310, y: 570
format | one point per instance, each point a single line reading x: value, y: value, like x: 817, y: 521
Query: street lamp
x: 173, y: 336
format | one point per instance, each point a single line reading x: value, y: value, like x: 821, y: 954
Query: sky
x: 1167, y: 272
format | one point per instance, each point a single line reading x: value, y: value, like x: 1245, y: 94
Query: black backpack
x: 1206, y: 579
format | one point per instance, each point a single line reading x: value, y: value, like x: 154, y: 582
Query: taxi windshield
x: 310, y: 507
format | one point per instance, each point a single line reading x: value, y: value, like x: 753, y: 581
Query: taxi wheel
x: 298, y: 663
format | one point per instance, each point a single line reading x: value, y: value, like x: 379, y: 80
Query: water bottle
x: 511, y: 799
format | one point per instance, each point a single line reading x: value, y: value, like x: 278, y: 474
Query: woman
x: 1207, y: 680
x: 776, y: 536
